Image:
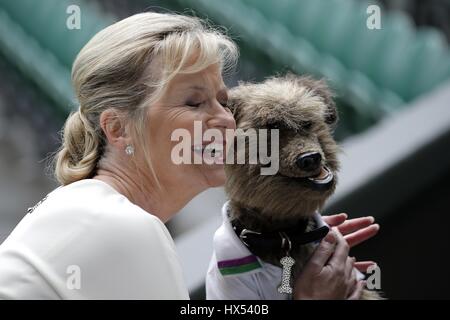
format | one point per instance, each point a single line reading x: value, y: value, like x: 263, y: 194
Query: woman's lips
x: 211, y: 152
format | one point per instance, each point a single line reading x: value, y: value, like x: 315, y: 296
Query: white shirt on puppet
x: 234, y: 273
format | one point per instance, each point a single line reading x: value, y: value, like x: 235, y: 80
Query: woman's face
x: 189, y: 98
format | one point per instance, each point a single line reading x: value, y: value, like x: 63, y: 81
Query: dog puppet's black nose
x: 309, y: 161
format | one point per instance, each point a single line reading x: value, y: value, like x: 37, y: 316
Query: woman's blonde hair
x: 113, y: 70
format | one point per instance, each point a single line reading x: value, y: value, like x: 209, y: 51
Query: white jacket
x: 87, y: 241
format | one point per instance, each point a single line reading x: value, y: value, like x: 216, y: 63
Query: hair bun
x: 78, y: 155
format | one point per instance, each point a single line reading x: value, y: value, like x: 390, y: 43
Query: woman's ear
x: 113, y: 126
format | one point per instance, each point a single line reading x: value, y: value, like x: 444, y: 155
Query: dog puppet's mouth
x: 321, y: 181
x: 325, y: 176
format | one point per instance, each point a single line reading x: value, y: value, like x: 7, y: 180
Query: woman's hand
x: 329, y: 273
x: 355, y: 231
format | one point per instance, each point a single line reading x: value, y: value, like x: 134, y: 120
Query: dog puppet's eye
x: 285, y: 126
x: 274, y: 125
x: 306, y: 125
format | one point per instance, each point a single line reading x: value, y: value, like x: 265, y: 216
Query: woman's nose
x: 221, y: 118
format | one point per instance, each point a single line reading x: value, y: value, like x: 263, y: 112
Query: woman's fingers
x: 356, y: 295
x: 353, y: 225
x: 362, y: 235
x: 341, y: 251
x: 349, y: 267
x: 364, y: 265
x: 355, y: 230
x: 335, y: 219
x: 352, y: 280
x: 322, y: 253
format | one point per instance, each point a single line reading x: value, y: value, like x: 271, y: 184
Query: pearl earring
x: 129, y: 150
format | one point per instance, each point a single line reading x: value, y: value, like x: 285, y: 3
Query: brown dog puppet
x: 271, y: 223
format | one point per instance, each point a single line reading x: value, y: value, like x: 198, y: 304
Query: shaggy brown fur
x: 304, y: 112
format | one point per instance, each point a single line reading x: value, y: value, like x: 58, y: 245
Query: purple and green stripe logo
x: 240, y: 265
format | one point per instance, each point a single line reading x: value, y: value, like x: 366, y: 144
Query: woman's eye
x: 274, y: 125
x: 198, y: 104
x: 193, y: 105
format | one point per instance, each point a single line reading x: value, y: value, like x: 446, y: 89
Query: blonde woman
x: 101, y: 234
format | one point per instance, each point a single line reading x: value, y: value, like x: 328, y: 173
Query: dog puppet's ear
x: 235, y: 101
x: 321, y: 88
x: 331, y: 115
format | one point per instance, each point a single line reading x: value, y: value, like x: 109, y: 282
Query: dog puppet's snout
x: 309, y: 161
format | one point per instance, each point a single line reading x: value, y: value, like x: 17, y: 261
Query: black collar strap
x: 261, y: 243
